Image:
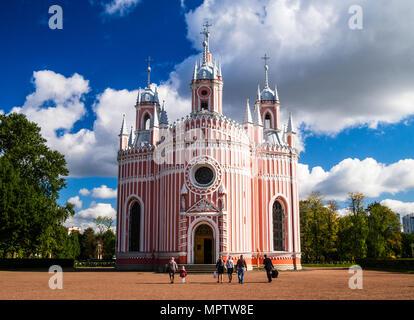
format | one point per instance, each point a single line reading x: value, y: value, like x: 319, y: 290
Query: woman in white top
x: 230, y: 268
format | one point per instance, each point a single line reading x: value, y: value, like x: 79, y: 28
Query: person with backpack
x: 268, y: 265
x: 241, y: 267
x: 172, y: 269
x: 220, y: 269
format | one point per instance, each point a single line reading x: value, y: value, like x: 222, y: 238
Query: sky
x: 350, y: 90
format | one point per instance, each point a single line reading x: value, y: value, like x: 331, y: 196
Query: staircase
x: 198, y: 268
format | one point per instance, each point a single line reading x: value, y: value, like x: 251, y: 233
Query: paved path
x: 312, y: 283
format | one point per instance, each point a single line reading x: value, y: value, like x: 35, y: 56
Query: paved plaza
x: 311, y: 283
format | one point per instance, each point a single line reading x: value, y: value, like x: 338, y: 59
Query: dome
x: 205, y: 71
x: 267, y: 94
x: 148, y: 95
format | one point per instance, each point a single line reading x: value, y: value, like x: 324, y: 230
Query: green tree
x: 407, y: 239
x: 88, y: 244
x: 319, y: 227
x: 103, y: 223
x: 31, y: 177
x: 359, y: 226
x: 384, y: 236
x: 108, y: 240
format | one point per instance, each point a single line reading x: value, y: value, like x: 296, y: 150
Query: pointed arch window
x: 134, y: 226
x: 278, y: 227
x: 268, y: 120
x: 147, y: 121
x: 204, y: 105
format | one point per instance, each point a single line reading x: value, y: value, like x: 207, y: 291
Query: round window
x: 204, y: 176
x: 204, y: 92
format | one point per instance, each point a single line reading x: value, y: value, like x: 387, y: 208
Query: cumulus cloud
x: 400, y: 207
x: 323, y: 69
x: 85, y: 218
x: 56, y: 103
x: 76, y: 202
x: 103, y: 192
x: 120, y: 7
x: 353, y: 175
x: 84, y: 192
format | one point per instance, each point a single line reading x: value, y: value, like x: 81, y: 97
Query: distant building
x: 408, y: 223
x: 74, y: 229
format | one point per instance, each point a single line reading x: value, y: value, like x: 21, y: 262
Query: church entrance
x: 203, y: 245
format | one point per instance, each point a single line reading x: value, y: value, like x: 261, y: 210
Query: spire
x: 258, y: 92
x: 124, y: 130
x: 258, y: 118
x: 219, y: 69
x: 149, y: 70
x: 284, y: 134
x: 195, y: 71
x: 206, y: 41
x: 131, y: 137
x: 139, y: 96
x: 266, y: 71
x: 290, y: 124
x: 163, y: 116
x: 248, y: 114
x: 155, y: 122
x: 276, y: 94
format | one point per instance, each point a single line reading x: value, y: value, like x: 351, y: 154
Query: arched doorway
x: 134, y: 226
x: 278, y: 227
x: 203, y: 244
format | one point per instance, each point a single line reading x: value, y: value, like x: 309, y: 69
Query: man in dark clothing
x: 268, y: 265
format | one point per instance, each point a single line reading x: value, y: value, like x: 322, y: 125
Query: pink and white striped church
x: 206, y: 185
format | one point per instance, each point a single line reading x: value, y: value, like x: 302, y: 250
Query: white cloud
x: 324, y: 70
x: 353, y: 175
x: 85, y: 218
x: 76, y: 202
x: 120, y: 7
x: 56, y: 103
x: 103, y: 192
x: 400, y: 207
x: 84, y: 192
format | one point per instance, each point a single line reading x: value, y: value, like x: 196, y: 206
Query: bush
x: 35, y: 263
x: 395, y: 264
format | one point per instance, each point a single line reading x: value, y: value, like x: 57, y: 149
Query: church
x: 206, y: 185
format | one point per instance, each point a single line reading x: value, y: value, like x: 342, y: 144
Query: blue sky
x: 350, y: 91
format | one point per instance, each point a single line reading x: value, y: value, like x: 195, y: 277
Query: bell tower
x: 268, y: 103
x: 207, y: 83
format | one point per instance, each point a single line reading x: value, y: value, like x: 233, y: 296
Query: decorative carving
x: 203, y: 160
x: 203, y: 205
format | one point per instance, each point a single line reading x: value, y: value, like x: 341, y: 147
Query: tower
x: 207, y: 83
x: 147, y: 112
x: 268, y: 104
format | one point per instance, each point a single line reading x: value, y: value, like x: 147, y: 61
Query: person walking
x: 172, y: 269
x: 230, y: 268
x: 220, y: 269
x: 183, y: 274
x: 268, y: 265
x: 241, y: 267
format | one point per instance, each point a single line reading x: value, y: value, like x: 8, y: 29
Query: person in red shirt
x: 183, y: 274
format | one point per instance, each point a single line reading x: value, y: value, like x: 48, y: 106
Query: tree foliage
x: 31, y: 176
x: 366, y: 232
